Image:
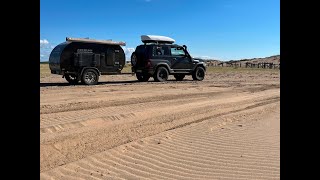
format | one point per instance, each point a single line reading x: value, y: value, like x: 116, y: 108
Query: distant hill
x: 271, y: 59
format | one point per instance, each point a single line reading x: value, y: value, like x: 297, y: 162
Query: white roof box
x: 156, y: 39
x: 95, y: 41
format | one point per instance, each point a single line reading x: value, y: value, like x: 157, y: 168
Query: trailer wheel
x: 198, y: 74
x: 179, y: 77
x: 72, y: 78
x: 142, y: 77
x: 90, y: 77
x: 161, y: 74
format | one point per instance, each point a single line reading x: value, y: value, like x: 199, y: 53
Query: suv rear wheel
x: 179, y: 77
x: 198, y: 74
x: 161, y: 74
x: 142, y: 77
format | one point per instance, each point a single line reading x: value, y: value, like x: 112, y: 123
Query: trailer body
x: 73, y: 57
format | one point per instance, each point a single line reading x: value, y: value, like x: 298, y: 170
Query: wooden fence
x: 245, y: 65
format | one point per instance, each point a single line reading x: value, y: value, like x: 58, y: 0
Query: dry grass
x: 126, y: 69
x: 238, y: 70
x: 44, y: 70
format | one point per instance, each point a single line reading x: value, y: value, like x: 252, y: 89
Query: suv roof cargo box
x: 156, y: 39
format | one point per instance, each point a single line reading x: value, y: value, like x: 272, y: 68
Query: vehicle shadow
x: 44, y: 84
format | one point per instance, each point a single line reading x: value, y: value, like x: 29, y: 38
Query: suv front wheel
x: 198, y: 74
x: 161, y: 74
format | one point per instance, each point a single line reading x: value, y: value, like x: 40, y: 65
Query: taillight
x: 148, y: 63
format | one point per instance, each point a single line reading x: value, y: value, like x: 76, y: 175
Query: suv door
x: 180, y: 60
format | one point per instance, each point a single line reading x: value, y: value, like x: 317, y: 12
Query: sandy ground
x: 225, y: 127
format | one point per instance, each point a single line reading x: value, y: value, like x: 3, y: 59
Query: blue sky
x: 219, y: 29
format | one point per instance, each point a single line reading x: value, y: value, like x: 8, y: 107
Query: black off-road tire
x: 198, y: 74
x: 161, y: 74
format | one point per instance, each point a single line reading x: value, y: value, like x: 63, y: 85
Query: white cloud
x: 44, y: 41
x: 45, y: 49
x: 203, y: 57
x: 207, y: 57
x: 128, y: 50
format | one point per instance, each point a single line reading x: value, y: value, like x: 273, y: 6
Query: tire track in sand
x: 241, y: 145
x: 74, y: 146
x: 54, y: 122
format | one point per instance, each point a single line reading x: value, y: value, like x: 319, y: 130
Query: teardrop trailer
x: 79, y: 59
x: 85, y: 60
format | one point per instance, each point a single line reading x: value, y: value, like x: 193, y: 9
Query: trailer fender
x: 96, y: 69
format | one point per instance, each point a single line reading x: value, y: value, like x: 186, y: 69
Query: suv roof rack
x: 156, y: 39
x: 110, y: 42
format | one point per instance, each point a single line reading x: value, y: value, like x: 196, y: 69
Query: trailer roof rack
x: 95, y: 41
x: 157, y: 39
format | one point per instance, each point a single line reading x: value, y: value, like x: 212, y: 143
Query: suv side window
x: 176, y: 51
x: 160, y: 51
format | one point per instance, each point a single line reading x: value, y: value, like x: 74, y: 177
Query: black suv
x: 159, y: 57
